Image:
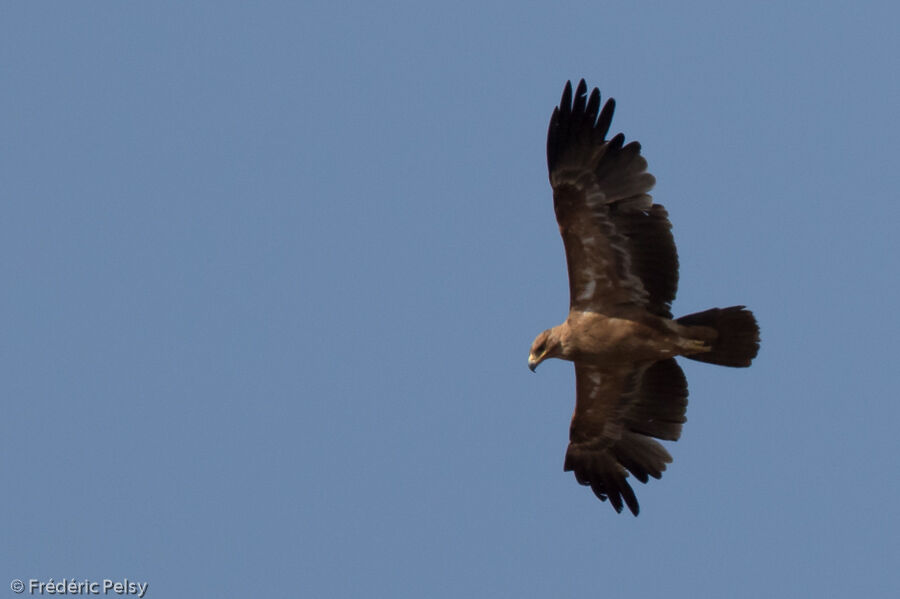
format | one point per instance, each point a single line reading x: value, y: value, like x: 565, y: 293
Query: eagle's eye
x: 540, y: 348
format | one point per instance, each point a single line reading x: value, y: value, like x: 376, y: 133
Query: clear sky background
x: 271, y: 273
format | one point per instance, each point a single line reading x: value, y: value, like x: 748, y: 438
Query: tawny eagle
x: 623, y: 273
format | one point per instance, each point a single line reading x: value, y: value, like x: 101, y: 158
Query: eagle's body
x: 629, y: 336
x: 623, y: 274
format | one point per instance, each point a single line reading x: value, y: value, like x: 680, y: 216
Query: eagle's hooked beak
x: 533, y: 362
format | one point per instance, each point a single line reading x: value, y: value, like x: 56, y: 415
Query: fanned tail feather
x: 737, y: 342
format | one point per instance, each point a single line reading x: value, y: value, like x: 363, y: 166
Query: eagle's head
x: 546, y: 345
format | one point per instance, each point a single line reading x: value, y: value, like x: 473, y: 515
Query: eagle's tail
x: 738, y: 335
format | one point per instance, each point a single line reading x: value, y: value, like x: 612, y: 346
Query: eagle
x: 620, y: 333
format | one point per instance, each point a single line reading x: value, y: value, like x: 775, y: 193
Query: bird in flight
x: 623, y: 275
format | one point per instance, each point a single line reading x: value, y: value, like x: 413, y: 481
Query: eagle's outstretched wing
x: 619, y: 246
x: 618, y: 411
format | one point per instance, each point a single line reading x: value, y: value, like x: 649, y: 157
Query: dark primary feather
x: 613, y: 234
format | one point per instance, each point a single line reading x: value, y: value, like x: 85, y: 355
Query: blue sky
x: 272, y: 272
